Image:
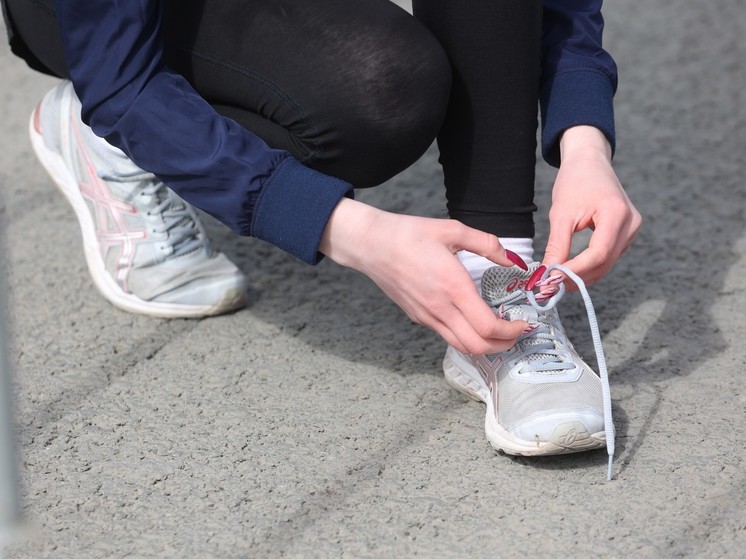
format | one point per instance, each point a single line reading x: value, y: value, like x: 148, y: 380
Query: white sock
x: 522, y: 246
x: 477, y: 265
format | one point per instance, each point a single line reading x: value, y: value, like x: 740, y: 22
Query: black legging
x: 358, y: 89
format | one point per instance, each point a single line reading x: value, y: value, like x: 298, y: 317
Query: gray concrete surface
x: 316, y: 422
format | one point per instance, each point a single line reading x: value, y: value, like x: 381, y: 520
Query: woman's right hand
x: 413, y: 260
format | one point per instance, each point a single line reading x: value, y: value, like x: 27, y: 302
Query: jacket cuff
x: 574, y: 98
x: 293, y: 207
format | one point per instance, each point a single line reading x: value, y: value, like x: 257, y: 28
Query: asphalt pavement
x: 316, y: 422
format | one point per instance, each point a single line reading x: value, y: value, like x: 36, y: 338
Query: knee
x: 395, y: 102
x: 405, y: 101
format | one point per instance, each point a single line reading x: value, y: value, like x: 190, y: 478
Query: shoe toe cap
x: 562, y: 427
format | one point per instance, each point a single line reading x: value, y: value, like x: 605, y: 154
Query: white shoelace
x: 552, y: 363
x: 184, y: 236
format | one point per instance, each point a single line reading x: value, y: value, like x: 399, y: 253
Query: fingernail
x: 547, y: 292
x: 535, y: 277
x: 515, y: 259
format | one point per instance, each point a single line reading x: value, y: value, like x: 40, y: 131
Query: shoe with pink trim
x: 146, y: 248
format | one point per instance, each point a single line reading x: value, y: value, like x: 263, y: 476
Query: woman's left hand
x: 588, y: 194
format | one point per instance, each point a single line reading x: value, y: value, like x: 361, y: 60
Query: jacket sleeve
x: 133, y: 100
x: 579, y: 78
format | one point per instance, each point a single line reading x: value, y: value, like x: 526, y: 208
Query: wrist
x: 346, y: 231
x: 582, y: 142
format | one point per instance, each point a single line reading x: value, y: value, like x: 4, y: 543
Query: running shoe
x: 549, y: 401
x: 145, y: 247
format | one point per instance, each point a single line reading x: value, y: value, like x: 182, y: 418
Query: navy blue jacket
x: 131, y: 98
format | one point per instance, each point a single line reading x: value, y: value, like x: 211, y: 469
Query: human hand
x: 413, y: 260
x: 588, y: 194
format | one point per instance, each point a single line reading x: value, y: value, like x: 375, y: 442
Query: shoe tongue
x: 501, y: 285
x: 506, y: 288
x: 521, y: 312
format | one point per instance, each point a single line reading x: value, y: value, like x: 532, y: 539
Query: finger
x: 473, y: 343
x: 457, y: 332
x: 484, y: 244
x: 448, y: 335
x: 603, y: 250
x: 470, y: 344
x: 594, y: 276
x: 478, y: 331
x: 559, y: 241
x: 483, y: 320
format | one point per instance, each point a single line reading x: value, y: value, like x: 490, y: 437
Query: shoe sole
x: 568, y: 437
x: 55, y: 167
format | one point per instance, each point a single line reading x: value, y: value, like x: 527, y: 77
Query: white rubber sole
x: 55, y: 166
x: 568, y: 437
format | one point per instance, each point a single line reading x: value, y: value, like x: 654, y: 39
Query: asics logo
x: 516, y: 283
x: 488, y: 364
x: 112, y: 229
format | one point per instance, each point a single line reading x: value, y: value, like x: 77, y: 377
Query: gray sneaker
x: 145, y: 247
x: 549, y: 401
